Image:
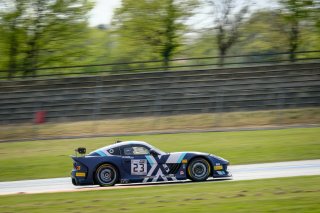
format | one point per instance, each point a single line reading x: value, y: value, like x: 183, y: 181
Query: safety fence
x: 212, y: 62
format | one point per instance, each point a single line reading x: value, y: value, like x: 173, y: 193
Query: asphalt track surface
x: 239, y: 172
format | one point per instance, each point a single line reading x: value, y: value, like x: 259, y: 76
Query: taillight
x: 76, y: 166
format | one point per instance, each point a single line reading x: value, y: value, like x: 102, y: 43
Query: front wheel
x: 106, y: 175
x: 199, y: 169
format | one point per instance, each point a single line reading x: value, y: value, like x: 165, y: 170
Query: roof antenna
x: 118, y: 141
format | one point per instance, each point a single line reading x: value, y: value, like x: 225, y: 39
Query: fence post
x: 157, y: 111
x: 279, y: 105
x: 219, y: 110
x: 97, y: 105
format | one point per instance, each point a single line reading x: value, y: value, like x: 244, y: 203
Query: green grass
x: 50, y: 158
x: 295, y: 194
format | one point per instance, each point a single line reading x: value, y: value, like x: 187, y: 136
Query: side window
x: 140, y: 150
x: 135, y: 150
x: 127, y: 151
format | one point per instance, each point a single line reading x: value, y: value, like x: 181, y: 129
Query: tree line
x: 50, y: 33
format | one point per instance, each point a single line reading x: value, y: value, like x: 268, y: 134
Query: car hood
x: 196, y: 153
x: 213, y: 158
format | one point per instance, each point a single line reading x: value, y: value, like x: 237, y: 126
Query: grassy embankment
x: 50, y: 158
x: 294, y: 194
x: 163, y: 123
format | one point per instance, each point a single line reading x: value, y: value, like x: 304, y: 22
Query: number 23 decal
x: 139, y: 167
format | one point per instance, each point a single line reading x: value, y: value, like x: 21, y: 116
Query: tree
x: 263, y: 32
x: 295, y: 11
x: 99, y: 46
x: 10, y: 23
x: 227, y: 23
x: 43, y: 33
x: 152, y: 29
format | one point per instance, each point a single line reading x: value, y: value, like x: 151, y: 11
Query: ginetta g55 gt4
x: 137, y: 161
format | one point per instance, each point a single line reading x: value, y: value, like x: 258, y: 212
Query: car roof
x: 118, y: 144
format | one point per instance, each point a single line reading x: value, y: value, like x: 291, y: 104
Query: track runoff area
x: 239, y: 172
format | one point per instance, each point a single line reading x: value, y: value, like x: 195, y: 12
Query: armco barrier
x: 161, y: 93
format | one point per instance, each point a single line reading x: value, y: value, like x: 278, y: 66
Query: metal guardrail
x: 162, y: 93
x: 156, y: 65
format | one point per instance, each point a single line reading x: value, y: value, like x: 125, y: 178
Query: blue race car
x: 140, y: 162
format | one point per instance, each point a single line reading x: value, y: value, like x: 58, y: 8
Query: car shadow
x: 172, y: 182
x: 134, y: 185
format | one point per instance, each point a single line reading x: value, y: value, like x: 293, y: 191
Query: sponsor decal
x: 221, y: 172
x: 166, y: 167
x: 181, y: 172
x: 124, y: 181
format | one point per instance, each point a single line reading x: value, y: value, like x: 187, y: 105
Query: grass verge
x: 162, y: 123
x: 50, y: 158
x: 295, y: 194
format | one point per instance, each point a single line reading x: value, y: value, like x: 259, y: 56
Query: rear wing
x: 81, y: 150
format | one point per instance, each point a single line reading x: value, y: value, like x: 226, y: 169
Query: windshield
x: 157, y: 150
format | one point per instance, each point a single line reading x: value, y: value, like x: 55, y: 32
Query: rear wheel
x: 199, y: 169
x: 106, y: 175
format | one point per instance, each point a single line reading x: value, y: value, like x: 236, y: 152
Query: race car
x: 139, y: 162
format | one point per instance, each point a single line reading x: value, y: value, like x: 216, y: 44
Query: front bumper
x: 221, y: 171
x: 226, y: 175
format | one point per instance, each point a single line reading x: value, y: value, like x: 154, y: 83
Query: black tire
x: 106, y: 175
x: 199, y: 169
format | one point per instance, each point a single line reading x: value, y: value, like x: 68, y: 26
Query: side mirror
x: 153, y: 152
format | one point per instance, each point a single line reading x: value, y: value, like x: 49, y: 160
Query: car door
x: 134, y: 161
x: 159, y: 170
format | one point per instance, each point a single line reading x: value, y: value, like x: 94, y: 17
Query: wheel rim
x: 107, y: 175
x: 199, y: 170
